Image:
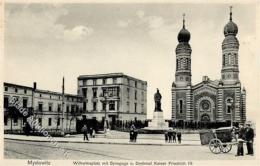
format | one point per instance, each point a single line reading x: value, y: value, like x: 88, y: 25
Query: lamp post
x: 103, y: 98
x: 231, y: 102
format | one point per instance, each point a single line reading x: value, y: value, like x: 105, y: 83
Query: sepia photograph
x: 134, y: 83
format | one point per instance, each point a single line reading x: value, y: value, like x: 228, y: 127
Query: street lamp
x: 103, y: 98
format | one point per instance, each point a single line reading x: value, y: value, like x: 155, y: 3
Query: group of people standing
x: 245, y: 135
x: 170, y: 136
x: 87, y: 131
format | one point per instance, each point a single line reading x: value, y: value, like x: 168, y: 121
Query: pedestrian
x: 135, y: 135
x: 91, y: 132
x: 241, y: 136
x: 174, y: 135
x: 170, y: 133
x: 27, y: 128
x: 179, y: 136
x: 234, y: 133
x: 94, y: 134
x: 249, y: 137
x: 85, y: 132
x: 132, y: 128
x: 166, y: 136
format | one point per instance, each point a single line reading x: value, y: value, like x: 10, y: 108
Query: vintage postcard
x: 117, y: 83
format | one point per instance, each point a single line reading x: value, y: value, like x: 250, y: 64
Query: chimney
x: 205, y: 78
x: 34, y: 85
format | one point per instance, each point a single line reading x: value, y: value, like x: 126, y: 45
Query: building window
x: 25, y: 91
x: 40, y: 121
x: 142, y: 108
x: 128, y: 93
x: 103, y: 106
x: 229, y: 106
x: 40, y: 106
x: 135, y: 107
x: 58, y: 121
x: 16, y: 90
x: 59, y: 108
x: 128, y: 106
x: 25, y: 102
x: 128, y: 81
x: 15, y: 121
x: 5, y: 120
x: 84, y: 91
x: 94, y: 106
x: 112, y: 105
x: 40, y: 95
x: 68, y: 109
x: 72, y: 108
x: 114, y: 80
x: 50, y: 96
x: 135, y: 94
x: 94, y: 82
x: 181, y: 106
x: 6, y: 88
x: 142, y: 96
x: 84, y: 106
x: 6, y: 102
x: 104, y: 81
x: 49, y: 122
x: 95, y: 92
x: 136, y: 84
x: 50, y: 106
x: 112, y: 92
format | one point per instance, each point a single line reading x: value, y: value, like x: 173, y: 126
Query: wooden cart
x: 218, y: 140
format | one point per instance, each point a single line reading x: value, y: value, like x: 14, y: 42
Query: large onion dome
x: 184, y: 34
x: 230, y: 28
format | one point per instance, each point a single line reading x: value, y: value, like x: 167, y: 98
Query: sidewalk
x: 102, y: 140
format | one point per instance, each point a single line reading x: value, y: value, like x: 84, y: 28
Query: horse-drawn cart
x: 218, y: 140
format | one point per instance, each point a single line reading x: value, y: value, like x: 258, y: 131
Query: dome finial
x: 183, y: 15
x: 230, y: 13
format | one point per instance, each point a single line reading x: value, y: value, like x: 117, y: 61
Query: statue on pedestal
x: 157, y: 100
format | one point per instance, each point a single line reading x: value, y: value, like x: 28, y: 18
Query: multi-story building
x: 209, y: 101
x: 115, y: 95
x: 124, y: 98
x: 46, y: 107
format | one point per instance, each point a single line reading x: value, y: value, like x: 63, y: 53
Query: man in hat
x: 249, y: 137
x: 241, y: 137
x: 85, y: 132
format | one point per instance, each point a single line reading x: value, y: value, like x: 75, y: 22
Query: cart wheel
x: 215, y: 146
x: 225, y: 148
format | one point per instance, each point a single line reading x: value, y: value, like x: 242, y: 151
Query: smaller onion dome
x: 184, y: 34
x: 230, y: 28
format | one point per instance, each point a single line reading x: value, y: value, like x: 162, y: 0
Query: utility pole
x: 62, y: 107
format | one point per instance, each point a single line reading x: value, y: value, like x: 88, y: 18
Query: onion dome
x: 230, y: 28
x: 184, y: 34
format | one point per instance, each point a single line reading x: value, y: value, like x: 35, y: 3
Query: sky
x: 44, y: 42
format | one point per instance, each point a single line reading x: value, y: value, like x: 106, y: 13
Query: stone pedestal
x: 158, y: 122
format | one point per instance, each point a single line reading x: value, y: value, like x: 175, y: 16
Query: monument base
x: 158, y: 122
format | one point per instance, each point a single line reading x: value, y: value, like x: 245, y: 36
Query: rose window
x: 205, y: 105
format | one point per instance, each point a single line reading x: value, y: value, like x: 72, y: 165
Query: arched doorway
x: 205, y: 118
